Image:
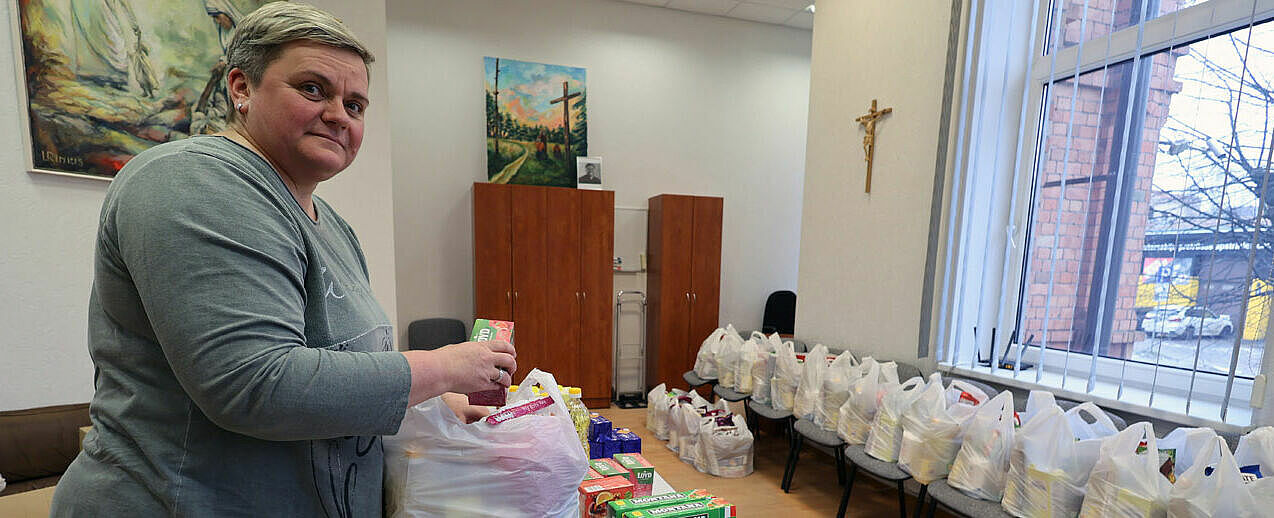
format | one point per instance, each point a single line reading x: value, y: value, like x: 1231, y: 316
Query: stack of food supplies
x: 524, y: 459
x: 787, y: 378
x: 696, y: 503
x: 724, y: 446
x: 763, y: 368
x: 983, y: 459
x: 659, y: 402
x: 843, y: 371
x: 885, y: 437
x: 933, y: 428
x: 809, y: 391
x: 1053, y: 454
x: 859, y: 410
x: 727, y: 355
x: 604, y: 441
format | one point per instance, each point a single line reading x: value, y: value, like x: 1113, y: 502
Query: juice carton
x: 483, y: 330
x: 598, y: 426
x: 619, y: 507
x: 629, y: 442
x: 610, y: 468
x: 643, y: 472
x: 712, y: 508
x: 594, y: 495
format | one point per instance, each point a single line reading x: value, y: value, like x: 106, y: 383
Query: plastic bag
x: 656, y: 414
x: 858, y: 412
x: 664, y: 403
x: 1125, y: 481
x: 727, y: 356
x: 743, y: 365
x: 706, y: 360
x: 695, y: 419
x: 763, y: 369
x: 787, y: 377
x: 725, y: 447
x: 1213, y: 487
x: 980, y: 466
x: 529, y: 466
x: 1180, y: 447
x: 683, y: 417
x: 840, y: 374
x: 809, y: 392
x: 885, y: 436
x: 1051, y: 459
x: 933, y: 429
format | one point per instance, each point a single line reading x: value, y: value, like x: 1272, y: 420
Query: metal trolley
x: 628, y: 352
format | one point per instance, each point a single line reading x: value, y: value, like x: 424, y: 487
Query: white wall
x: 677, y: 103
x: 863, y: 255
x: 48, y: 223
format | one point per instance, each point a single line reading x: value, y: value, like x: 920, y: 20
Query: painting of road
x: 536, y: 122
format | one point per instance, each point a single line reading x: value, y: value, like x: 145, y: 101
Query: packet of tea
x: 485, y: 330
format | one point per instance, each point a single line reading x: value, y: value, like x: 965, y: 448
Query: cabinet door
x: 562, y: 291
x: 705, y: 276
x: 530, y: 278
x: 597, y: 245
x: 669, y: 352
x: 492, y: 252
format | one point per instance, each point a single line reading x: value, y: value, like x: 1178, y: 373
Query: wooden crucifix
x: 565, y: 99
x: 869, y: 140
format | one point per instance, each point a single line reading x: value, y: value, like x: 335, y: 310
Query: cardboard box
x: 610, y: 468
x: 619, y: 507
x: 643, y: 472
x: 485, y: 330
x: 713, y: 508
x: 595, y: 495
x: 591, y: 475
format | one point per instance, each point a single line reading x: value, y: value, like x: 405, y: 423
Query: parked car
x: 1186, y: 322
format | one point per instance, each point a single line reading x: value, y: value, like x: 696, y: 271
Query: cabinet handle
x: 508, y: 295
x: 694, y: 298
x: 687, y: 297
x: 584, y: 294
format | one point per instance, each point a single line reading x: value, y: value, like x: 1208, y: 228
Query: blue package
x: 598, y: 426
x: 1251, y: 473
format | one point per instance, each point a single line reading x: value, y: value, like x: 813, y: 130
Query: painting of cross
x: 565, y: 101
x: 537, y: 122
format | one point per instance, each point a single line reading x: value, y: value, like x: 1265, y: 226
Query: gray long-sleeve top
x: 242, y: 366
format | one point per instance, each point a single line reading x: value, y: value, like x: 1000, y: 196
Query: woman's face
x: 306, y: 114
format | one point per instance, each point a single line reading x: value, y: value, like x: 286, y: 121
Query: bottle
x: 579, y: 413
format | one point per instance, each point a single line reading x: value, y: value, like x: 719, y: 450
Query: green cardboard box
x: 643, y: 472
x: 619, y: 507
x: 713, y: 508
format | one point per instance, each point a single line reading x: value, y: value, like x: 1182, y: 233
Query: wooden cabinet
x: 683, y: 279
x: 542, y: 259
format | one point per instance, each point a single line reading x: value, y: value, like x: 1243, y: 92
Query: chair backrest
x: 907, y: 371
x: 432, y: 333
x: 780, y: 313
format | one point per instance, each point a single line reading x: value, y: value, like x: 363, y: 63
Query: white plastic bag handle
x: 756, y: 334
x: 971, y: 389
x: 549, y: 383
x: 1079, y: 425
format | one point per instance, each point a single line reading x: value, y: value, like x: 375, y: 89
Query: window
x: 1124, y: 148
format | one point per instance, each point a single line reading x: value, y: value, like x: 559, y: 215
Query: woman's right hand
x: 476, y: 366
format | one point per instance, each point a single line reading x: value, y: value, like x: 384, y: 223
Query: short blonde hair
x: 260, y: 37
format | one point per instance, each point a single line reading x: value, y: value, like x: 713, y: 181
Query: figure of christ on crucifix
x: 869, y: 140
x: 565, y: 99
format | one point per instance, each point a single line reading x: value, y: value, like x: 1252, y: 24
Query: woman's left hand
x: 459, y: 403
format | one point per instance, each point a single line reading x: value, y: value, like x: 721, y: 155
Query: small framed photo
x: 589, y: 169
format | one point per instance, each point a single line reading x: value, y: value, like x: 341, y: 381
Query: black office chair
x: 431, y: 333
x: 780, y: 313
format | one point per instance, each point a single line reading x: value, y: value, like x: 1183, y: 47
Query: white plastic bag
x: 980, y: 466
x: 680, y: 419
x: 1125, y: 481
x: 528, y: 466
x: 706, y: 360
x: 809, y: 393
x: 1051, y: 460
x: 664, y: 404
x: 727, y: 356
x: 1183, y: 445
x: 656, y: 414
x: 1213, y: 487
x: 725, y: 447
x: 763, y: 369
x: 933, y: 429
x: 858, y: 412
x: 843, y: 371
x: 787, y: 377
x: 695, y: 419
x: 743, y: 365
x: 885, y: 436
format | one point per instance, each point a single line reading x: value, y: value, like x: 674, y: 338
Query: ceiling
x: 791, y: 13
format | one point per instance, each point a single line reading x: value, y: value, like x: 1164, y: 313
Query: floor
x: 814, y: 491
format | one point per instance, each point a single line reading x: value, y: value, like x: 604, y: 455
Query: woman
x: 243, y: 367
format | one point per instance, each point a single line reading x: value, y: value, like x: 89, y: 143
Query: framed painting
x: 103, y: 80
x: 536, y: 122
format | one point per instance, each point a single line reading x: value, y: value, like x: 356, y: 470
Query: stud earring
x: 242, y: 108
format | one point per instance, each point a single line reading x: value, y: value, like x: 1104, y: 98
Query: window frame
x: 1136, y: 44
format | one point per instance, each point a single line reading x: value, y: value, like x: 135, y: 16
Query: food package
x: 530, y: 465
x: 641, y: 470
x: 885, y: 437
x: 933, y: 429
x: 636, y: 503
x: 809, y: 392
x: 706, y: 360
x: 980, y: 466
x: 594, y: 497
x: 859, y: 410
x: 1052, y: 457
x: 787, y: 377
x: 840, y: 375
x: 486, y: 330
